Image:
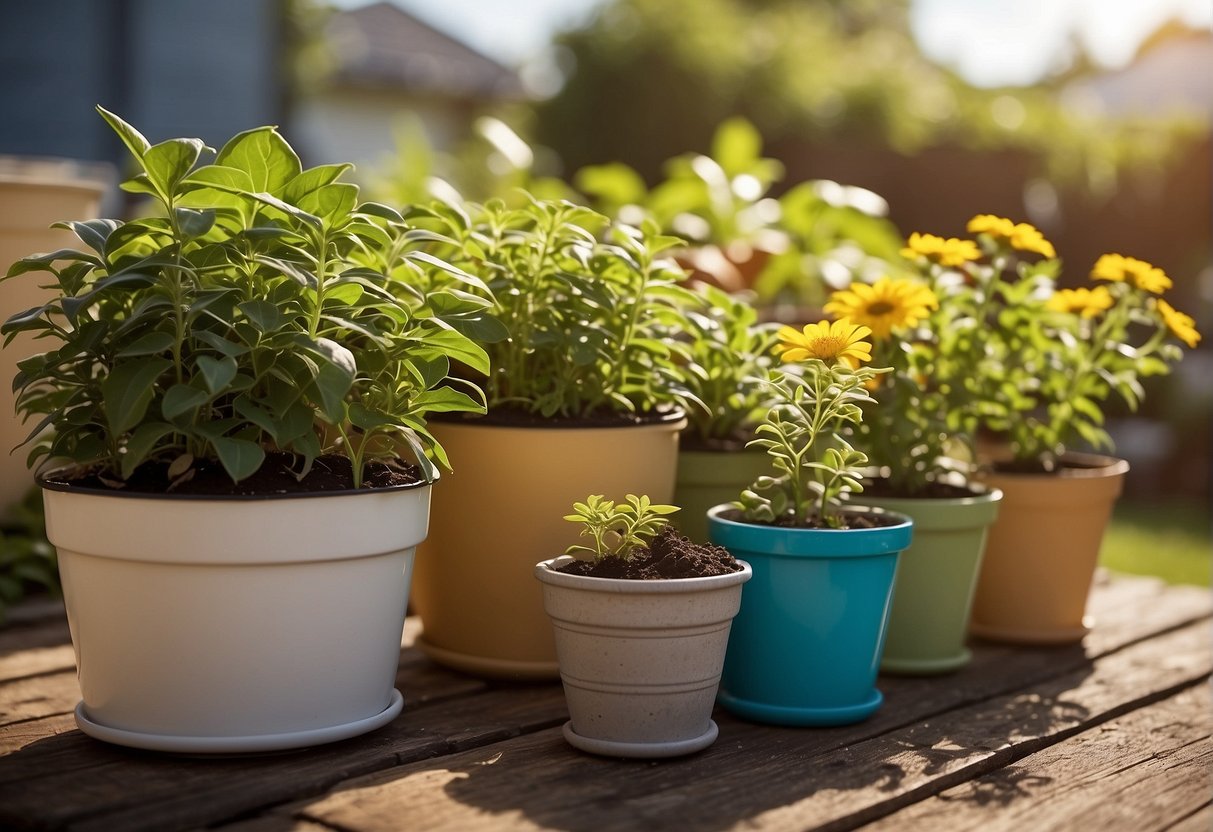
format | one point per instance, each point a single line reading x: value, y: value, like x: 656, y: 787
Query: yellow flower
x: 1182, y: 326
x: 883, y: 306
x: 946, y: 252
x: 1023, y: 236
x: 1144, y: 276
x: 1082, y: 301
x: 841, y: 340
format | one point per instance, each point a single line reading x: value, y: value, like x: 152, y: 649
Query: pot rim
x: 545, y: 572
x: 1095, y: 466
x: 986, y: 494
x: 676, y: 418
x: 786, y: 541
x: 45, y: 482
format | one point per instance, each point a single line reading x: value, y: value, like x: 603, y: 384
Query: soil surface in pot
x: 330, y: 472
x: 850, y: 520
x: 514, y: 417
x: 694, y: 442
x: 932, y: 491
x: 1037, y: 466
x: 670, y: 555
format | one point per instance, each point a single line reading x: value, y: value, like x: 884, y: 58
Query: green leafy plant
x: 813, y: 402
x: 1033, y: 363
x: 263, y: 311
x: 618, y: 530
x: 730, y: 351
x: 590, y: 311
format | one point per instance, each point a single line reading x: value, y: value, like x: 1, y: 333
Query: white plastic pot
x: 640, y: 660
x: 206, y: 624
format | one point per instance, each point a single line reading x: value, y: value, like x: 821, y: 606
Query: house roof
x: 383, y: 46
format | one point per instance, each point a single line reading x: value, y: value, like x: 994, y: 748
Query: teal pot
x: 708, y: 478
x: 807, y: 642
x: 936, y: 580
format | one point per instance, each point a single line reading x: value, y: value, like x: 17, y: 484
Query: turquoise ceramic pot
x: 807, y: 644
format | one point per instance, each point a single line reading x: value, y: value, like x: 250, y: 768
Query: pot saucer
x: 1015, y: 635
x: 489, y: 667
x: 640, y: 750
x: 800, y: 717
x: 925, y: 667
x: 257, y: 743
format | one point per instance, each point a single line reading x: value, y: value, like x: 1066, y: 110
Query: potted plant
x: 730, y: 351
x: 583, y: 397
x: 808, y: 639
x: 911, y: 433
x: 227, y: 385
x: 641, y: 619
x: 1038, y: 364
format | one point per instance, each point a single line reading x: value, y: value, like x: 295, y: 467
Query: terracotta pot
x: 936, y: 579
x: 30, y: 201
x: 275, y: 628
x: 499, y: 512
x: 640, y: 660
x: 708, y: 478
x: 1042, y: 551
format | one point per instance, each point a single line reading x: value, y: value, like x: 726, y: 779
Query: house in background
x: 388, y: 64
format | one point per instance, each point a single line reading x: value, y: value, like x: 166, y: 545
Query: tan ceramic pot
x: 500, y: 512
x: 28, y: 206
x: 1042, y: 551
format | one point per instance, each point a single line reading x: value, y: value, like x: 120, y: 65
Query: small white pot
x: 640, y: 660
x: 206, y: 624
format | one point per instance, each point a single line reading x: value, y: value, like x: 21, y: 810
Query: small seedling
x: 618, y: 530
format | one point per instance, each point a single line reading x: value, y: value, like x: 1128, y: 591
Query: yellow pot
x: 28, y: 206
x: 499, y: 513
x: 1042, y: 551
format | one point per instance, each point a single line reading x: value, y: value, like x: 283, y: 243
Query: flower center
x: 880, y: 307
x: 827, y: 346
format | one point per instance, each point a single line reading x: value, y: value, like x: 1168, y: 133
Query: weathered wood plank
x: 1199, y: 821
x: 129, y: 790
x: 42, y: 648
x: 756, y: 777
x: 1148, y: 770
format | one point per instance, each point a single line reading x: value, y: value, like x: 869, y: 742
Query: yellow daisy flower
x: 884, y: 305
x: 1118, y: 268
x: 1022, y: 235
x: 841, y: 340
x: 1082, y: 301
x: 947, y: 252
x: 989, y: 224
x: 1182, y: 326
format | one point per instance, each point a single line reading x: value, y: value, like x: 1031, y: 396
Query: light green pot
x: 709, y: 478
x: 936, y: 581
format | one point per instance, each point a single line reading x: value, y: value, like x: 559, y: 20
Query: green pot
x: 936, y: 580
x: 708, y: 478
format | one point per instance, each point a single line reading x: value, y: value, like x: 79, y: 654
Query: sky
x: 990, y: 42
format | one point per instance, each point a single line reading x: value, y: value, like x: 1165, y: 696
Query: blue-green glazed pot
x: 806, y: 646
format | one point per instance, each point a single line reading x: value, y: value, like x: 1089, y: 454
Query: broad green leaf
x: 223, y: 177
x: 259, y: 417
x: 140, y: 444
x: 93, y: 233
x: 132, y: 138
x: 312, y: 179
x: 444, y: 400
x: 265, y: 156
x: 128, y: 389
x: 263, y: 314
x: 194, y: 224
x: 167, y: 163
x: 216, y: 372
x: 331, y: 202
x: 239, y: 457
x: 181, y: 399
x: 149, y: 344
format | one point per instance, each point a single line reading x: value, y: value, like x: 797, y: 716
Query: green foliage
x: 262, y: 311
x: 618, y: 530
x: 588, y: 312
x: 26, y: 556
x: 803, y: 435
x: 730, y: 354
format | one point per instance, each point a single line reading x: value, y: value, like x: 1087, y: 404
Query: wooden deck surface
x: 1110, y: 735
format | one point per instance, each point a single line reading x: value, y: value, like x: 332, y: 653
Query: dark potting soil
x: 850, y: 520
x: 932, y: 491
x: 1037, y: 466
x: 330, y: 472
x: 514, y: 417
x: 693, y: 442
x: 669, y: 555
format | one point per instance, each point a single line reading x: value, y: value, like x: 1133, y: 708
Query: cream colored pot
x: 230, y: 625
x: 30, y: 202
x: 501, y: 510
x: 1042, y: 551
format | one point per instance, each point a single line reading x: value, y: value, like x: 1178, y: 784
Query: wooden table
x: 1112, y: 735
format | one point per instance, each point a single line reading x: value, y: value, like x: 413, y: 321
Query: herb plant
x: 590, y: 311
x: 729, y: 353
x: 1033, y: 363
x: 618, y: 530
x: 262, y: 311
x: 813, y: 403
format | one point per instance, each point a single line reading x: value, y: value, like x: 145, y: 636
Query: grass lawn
x: 1173, y: 540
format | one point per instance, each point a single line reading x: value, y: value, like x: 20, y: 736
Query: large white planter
x: 206, y: 624
x: 33, y: 195
x: 640, y: 660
